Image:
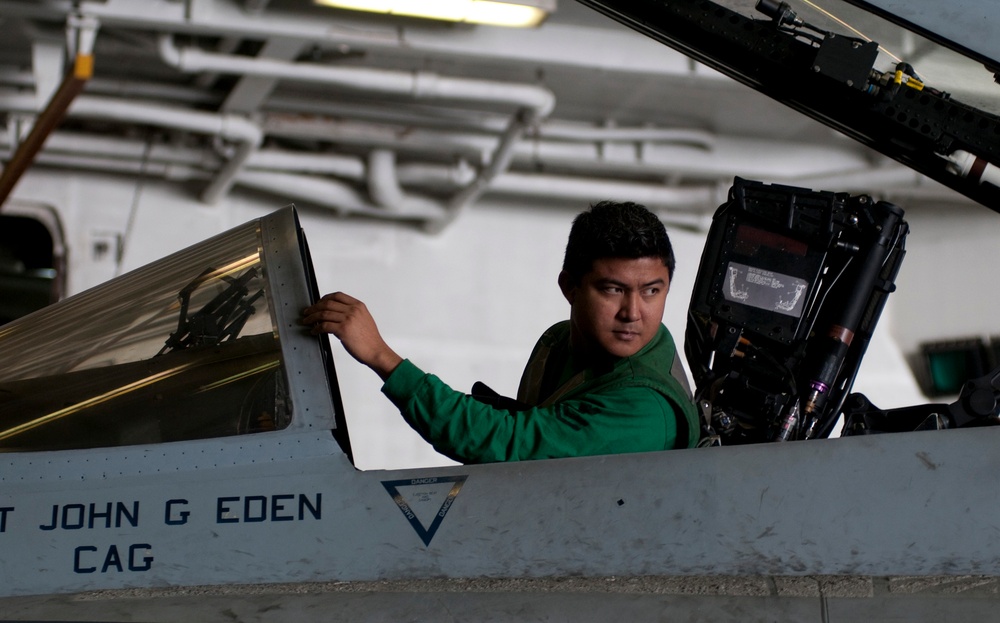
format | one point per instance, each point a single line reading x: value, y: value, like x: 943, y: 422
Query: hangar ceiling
x: 408, y: 119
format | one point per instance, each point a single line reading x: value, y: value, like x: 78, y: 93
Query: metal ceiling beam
x: 251, y: 91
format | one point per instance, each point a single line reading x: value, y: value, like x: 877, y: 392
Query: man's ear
x: 567, y: 286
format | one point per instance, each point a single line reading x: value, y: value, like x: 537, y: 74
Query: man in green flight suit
x: 598, y: 383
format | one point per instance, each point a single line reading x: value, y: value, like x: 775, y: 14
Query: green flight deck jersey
x: 569, y: 408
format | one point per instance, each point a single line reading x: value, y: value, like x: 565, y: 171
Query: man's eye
x: 650, y: 291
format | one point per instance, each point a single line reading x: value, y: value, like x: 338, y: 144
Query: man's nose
x: 629, y: 310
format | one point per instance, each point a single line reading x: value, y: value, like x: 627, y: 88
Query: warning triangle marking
x: 425, y: 501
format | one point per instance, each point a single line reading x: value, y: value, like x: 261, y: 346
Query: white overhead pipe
x: 584, y: 133
x: 436, y: 175
x: 18, y: 102
x: 134, y: 150
x: 383, y: 187
x: 246, y: 134
x: 105, y: 164
x: 589, y: 189
x: 570, y: 188
x: 338, y: 196
x: 385, y: 191
x: 419, y: 84
x: 348, y: 167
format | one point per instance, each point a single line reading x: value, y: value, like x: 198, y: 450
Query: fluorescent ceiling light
x: 519, y: 13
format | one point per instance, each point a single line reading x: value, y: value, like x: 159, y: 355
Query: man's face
x: 617, y: 307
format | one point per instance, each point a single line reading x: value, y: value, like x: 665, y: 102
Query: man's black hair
x: 611, y: 229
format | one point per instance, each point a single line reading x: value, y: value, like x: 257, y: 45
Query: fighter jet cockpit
x: 793, y: 280
x: 108, y: 361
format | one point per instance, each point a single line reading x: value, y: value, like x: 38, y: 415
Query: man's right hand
x: 349, y: 320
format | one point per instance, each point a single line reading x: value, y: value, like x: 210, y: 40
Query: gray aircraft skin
x: 180, y: 429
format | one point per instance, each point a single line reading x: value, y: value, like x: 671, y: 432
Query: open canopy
x: 188, y: 347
